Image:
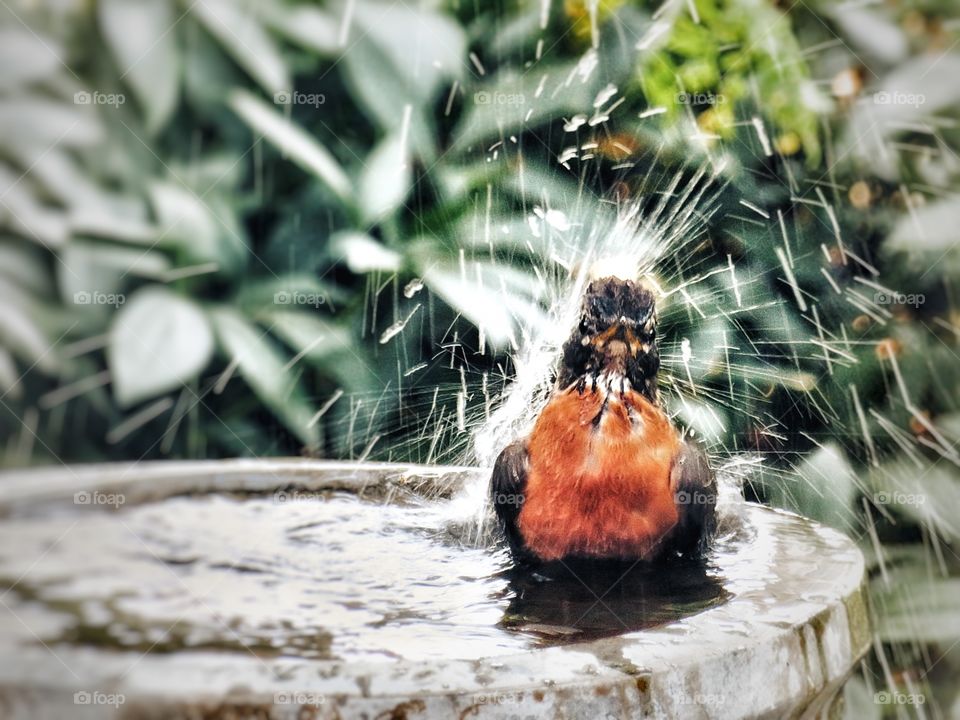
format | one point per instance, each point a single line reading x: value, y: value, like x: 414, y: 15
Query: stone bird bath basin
x: 306, y: 589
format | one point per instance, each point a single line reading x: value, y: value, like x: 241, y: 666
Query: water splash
x: 633, y: 244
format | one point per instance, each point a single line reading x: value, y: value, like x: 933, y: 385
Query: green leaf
x: 92, y: 210
x: 307, y: 333
x: 868, y: 29
x: 502, y: 230
x: 382, y: 87
x: 859, y: 702
x: 309, y: 27
x: 26, y: 56
x: 240, y: 33
x: 327, y: 346
x: 825, y: 488
x: 185, y: 222
x: 294, y: 142
x: 918, y: 88
x: 9, y: 377
x: 263, y: 367
x: 23, y: 213
x: 398, y: 57
x: 182, y: 217
x: 513, y: 101
x: 21, y: 329
x: 708, y: 421
x: 363, y: 254
x: 927, y: 235
x: 38, y: 122
x: 386, y: 178
x: 948, y: 424
x: 142, y: 36
x: 87, y: 267
x: 916, y: 606
x: 926, y: 494
x: 423, y: 46
x: 558, y: 189
x: 495, y: 298
x: 208, y: 72
x: 117, y: 217
x: 257, y: 296
x: 24, y: 265
x: 158, y: 341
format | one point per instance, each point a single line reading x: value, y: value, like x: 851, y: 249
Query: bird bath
x: 306, y: 589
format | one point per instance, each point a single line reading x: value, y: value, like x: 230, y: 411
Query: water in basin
x: 326, y: 575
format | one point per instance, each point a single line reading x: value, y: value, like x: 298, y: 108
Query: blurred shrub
x: 237, y: 228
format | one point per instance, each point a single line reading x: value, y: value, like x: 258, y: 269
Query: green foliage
x: 714, y: 62
x: 266, y: 228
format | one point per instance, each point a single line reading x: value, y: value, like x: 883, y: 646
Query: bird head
x: 616, y: 335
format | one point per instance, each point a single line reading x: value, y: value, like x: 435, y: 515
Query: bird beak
x: 618, y: 331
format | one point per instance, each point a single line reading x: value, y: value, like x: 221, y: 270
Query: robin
x: 604, y: 474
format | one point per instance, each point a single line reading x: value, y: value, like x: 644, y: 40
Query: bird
x: 604, y: 475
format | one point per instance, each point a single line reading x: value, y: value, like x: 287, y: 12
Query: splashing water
x: 632, y: 244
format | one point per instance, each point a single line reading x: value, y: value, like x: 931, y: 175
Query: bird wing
x: 507, y: 487
x: 694, y: 485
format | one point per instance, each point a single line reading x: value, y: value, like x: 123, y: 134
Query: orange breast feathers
x: 599, y: 477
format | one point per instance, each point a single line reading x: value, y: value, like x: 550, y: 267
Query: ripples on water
x: 331, y: 575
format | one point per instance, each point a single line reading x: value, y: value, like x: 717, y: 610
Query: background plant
x: 234, y: 228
